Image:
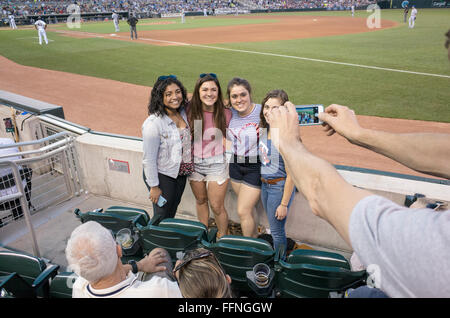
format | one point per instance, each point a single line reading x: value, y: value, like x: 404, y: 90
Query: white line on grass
x: 300, y: 58
x: 287, y: 56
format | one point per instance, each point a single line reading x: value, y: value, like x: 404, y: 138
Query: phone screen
x: 309, y: 114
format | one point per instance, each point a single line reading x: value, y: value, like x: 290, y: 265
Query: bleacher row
x: 303, y: 273
x: 25, y: 8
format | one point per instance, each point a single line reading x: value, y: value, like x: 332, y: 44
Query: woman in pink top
x: 209, y: 119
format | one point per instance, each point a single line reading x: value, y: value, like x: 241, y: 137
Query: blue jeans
x: 271, y: 195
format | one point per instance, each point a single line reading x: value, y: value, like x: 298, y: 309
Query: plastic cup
x: 124, y: 238
x: 262, y: 274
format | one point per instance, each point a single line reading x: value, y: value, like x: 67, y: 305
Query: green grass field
x: 369, y: 91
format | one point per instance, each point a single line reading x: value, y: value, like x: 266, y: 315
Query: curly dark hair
x: 156, y: 102
x: 276, y: 93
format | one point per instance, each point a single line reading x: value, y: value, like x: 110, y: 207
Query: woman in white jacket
x: 167, y: 145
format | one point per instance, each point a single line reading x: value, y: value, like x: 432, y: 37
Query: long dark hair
x: 156, y: 102
x: 276, y: 93
x: 196, y: 108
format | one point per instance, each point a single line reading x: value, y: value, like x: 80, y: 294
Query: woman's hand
x: 155, y: 192
x: 281, y: 212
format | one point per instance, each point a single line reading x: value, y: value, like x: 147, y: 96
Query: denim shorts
x: 247, y: 173
x: 210, y: 169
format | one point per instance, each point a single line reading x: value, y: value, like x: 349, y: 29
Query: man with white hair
x: 95, y: 257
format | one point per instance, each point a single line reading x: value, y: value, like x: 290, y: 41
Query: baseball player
x: 115, y: 18
x: 353, y: 9
x: 12, y: 21
x: 41, y: 26
x: 412, y: 18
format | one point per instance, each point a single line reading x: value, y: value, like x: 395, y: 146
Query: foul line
x: 284, y: 56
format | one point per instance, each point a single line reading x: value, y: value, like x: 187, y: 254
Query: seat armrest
x: 44, y: 277
x: 156, y: 219
x: 212, y: 235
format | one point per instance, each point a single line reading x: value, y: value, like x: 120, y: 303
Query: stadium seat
x: 238, y: 254
x: 32, y: 270
x: 315, y: 274
x: 123, y: 210
x: 175, y: 235
x: 61, y: 285
x: 115, y: 219
x: 14, y: 286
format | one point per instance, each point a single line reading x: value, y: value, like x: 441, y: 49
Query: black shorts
x: 247, y: 173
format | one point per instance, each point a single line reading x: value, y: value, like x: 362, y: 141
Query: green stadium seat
x: 61, y: 285
x: 315, y: 274
x: 123, y: 210
x: 14, y: 286
x: 175, y: 235
x: 238, y: 254
x: 32, y: 270
x: 115, y: 219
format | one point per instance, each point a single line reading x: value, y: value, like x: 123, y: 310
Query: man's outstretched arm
x: 424, y: 152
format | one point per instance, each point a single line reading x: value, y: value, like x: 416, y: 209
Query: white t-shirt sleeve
x: 410, y: 247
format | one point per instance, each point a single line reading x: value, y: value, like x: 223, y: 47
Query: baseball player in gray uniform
x: 41, y: 26
x: 115, y: 18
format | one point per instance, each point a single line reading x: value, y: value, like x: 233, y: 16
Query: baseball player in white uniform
x: 115, y: 18
x: 353, y: 9
x: 412, y: 18
x: 41, y: 26
x: 12, y: 21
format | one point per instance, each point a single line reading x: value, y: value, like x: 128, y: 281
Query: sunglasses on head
x: 210, y: 74
x: 196, y: 257
x: 163, y: 77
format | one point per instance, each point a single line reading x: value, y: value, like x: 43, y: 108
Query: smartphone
x: 161, y: 201
x: 309, y: 114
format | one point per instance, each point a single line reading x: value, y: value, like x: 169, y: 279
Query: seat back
x: 238, y: 254
x: 129, y: 211
x: 61, y: 285
x: 307, y: 273
x: 114, y: 221
x: 26, y: 266
x: 16, y: 286
x: 174, y: 235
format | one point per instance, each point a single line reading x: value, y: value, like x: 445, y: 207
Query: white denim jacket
x: 162, y: 147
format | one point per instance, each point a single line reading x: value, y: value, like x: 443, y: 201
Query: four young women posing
x: 188, y: 140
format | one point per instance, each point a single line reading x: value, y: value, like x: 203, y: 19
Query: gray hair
x: 91, y: 251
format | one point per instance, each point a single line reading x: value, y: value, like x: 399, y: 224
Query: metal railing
x: 47, y: 174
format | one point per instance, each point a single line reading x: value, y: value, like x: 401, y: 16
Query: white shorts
x: 210, y: 169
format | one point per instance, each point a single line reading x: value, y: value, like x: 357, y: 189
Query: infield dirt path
x: 117, y: 107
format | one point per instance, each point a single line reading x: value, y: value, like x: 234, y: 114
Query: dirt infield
x: 283, y: 28
x: 117, y: 107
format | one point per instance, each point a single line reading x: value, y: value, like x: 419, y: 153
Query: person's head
x: 200, y: 275
x: 447, y: 43
x: 273, y: 99
x: 239, y: 94
x: 167, y: 94
x: 208, y: 96
x: 92, y: 252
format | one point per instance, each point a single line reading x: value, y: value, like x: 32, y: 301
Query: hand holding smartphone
x: 309, y: 114
x: 161, y: 201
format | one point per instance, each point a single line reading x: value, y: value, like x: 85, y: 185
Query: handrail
x: 40, y: 150
x: 38, y: 141
x: 23, y: 202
